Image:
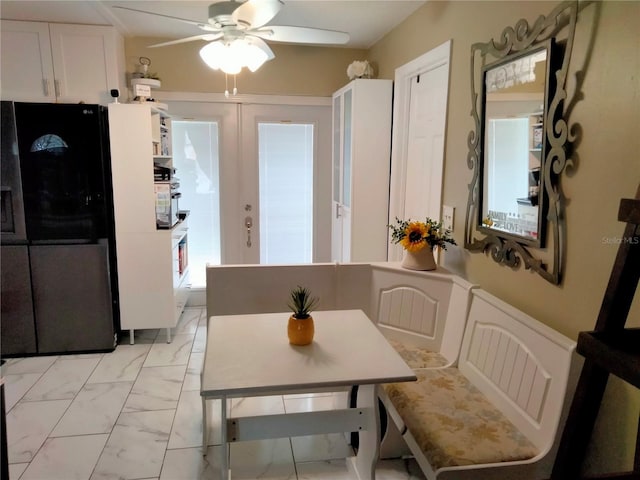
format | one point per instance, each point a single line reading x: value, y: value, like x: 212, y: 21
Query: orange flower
x: 415, y: 237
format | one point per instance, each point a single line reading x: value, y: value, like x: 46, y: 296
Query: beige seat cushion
x: 454, y: 424
x: 417, y: 357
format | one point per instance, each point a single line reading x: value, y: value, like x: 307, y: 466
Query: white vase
x: 420, y: 260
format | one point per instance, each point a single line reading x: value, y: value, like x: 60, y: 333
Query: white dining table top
x: 250, y: 355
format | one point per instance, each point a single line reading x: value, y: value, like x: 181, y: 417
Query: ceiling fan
x: 237, y: 32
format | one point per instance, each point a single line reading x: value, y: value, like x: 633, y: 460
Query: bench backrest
x: 520, y: 364
x: 241, y: 289
x: 424, y: 309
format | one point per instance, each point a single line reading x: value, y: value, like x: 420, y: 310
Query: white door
x: 266, y: 165
x: 425, y: 147
x: 285, y: 184
x: 419, y: 123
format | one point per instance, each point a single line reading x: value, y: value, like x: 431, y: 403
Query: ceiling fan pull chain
x: 235, y: 89
x: 226, y: 85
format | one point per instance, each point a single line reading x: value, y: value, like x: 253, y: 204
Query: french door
x: 256, y: 179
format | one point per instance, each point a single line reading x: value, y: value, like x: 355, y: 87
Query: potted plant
x: 419, y: 239
x: 300, y: 328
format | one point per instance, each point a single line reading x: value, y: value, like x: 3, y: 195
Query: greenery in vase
x: 414, y: 235
x: 301, y: 302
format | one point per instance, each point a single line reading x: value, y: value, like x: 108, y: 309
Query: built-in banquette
x: 493, y: 383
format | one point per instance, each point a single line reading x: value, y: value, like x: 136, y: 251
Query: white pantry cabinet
x: 361, y: 165
x: 153, y: 273
x: 54, y: 62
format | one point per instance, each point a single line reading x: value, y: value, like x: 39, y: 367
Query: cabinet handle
x: 338, y: 214
x: 56, y: 85
x: 45, y: 86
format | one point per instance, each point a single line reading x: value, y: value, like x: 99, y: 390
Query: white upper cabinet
x: 44, y: 62
x: 27, y: 66
x: 361, y: 165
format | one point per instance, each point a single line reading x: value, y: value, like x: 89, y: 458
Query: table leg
x: 225, y: 473
x: 369, y: 444
x: 205, y: 426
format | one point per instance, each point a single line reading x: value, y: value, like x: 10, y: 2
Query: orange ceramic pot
x: 300, y: 330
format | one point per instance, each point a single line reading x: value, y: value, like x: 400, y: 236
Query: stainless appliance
x: 59, y: 282
x: 167, y: 196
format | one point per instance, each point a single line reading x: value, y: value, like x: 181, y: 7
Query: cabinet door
x: 342, y: 173
x: 27, y: 68
x: 85, y: 62
x: 18, y: 328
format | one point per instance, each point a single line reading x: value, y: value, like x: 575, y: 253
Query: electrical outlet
x: 447, y: 217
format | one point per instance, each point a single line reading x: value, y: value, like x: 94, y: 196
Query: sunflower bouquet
x: 414, y: 235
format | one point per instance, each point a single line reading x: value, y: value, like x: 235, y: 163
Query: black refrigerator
x: 57, y: 259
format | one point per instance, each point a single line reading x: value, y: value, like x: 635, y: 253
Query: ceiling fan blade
x: 256, y: 13
x: 204, y: 26
x: 280, y: 33
x: 206, y: 36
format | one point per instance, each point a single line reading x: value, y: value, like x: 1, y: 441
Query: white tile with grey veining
x: 122, y: 365
x: 190, y: 464
x: 157, y: 388
x: 136, y: 446
x: 189, y: 321
x: 174, y: 353
x: 16, y: 386
x: 312, y: 448
x: 69, y: 458
x: 63, y: 379
x: 248, y: 406
x: 16, y: 469
x: 194, y: 368
x: 326, y: 470
x: 200, y: 341
x: 19, y: 366
x: 29, y: 424
x: 94, y: 410
x: 308, y: 404
x: 187, y: 426
x: 262, y: 459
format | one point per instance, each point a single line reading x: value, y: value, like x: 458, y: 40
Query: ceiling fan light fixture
x: 231, y: 57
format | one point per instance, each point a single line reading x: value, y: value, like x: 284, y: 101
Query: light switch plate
x: 447, y: 217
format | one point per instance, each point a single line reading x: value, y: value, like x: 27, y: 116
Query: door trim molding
x: 404, y: 75
x: 302, y: 100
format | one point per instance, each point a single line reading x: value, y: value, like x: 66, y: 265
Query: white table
x: 250, y: 355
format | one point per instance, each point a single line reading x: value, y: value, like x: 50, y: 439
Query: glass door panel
x: 337, y: 126
x: 285, y: 157
x: 197, y: 162
x: 346, y: 151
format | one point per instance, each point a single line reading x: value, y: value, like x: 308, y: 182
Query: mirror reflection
x: 514, y: 98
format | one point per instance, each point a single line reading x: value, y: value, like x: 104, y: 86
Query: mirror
x: 519, y: 146
x: 513, y: 146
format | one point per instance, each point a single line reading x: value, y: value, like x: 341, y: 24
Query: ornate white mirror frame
x: 509, y: 245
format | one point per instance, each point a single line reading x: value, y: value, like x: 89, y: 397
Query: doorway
x: 418, y: 138
x: 256, y: 179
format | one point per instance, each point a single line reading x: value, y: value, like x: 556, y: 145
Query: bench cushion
x: 417, y: 357
x: 453, y: 422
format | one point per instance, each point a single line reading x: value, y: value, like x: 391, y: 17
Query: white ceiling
x: 367, y: 21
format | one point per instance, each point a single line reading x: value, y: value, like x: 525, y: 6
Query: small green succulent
x: 301, y: 302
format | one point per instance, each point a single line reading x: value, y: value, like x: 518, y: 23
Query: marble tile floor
x: 135, y: 413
